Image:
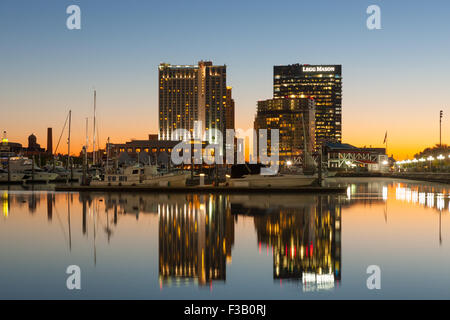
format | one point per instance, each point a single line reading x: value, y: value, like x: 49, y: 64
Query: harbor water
x: 228, y: 246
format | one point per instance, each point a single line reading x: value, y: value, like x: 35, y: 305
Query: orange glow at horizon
x: 408, y: 132
x: 403, y: 145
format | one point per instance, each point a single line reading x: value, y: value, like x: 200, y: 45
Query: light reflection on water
x: 228, y: 246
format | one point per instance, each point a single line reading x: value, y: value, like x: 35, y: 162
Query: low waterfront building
x: 346, y: 156
x: 33, y: 148
x: 149, y: 151
x: 153, y: 147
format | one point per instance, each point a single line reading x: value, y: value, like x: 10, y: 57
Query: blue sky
x: 394, y: 79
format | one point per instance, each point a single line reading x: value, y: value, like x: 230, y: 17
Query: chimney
x: 49, y: 141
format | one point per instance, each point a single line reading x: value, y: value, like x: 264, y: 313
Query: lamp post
x: 422, y: 160
x: 440, y: 158
x: 441, y: 113
x: 430, y: 158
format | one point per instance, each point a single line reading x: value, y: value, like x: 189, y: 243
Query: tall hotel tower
x: 191, y: 93
x: 321, y: 82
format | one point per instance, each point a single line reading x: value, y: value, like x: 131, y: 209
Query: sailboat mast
x: 93, y: 136
x: 68, y: 142
x: 107, y: 156
x: 87, y: 138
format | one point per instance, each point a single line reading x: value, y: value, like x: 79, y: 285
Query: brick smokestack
x: 49, y: 140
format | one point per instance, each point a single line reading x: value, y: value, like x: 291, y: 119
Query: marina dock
x: 201, y: 189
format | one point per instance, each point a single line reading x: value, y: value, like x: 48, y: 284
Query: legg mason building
x: 323, y: 83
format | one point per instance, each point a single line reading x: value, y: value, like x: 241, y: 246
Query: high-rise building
x: 295, y: 120
x: 192, y: 93
x: 321, y: 82
x: 229, y: 112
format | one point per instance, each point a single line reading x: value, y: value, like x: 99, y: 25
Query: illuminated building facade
x: 192, y: 93
x: 321, y: 82
x: 346, y: 156
x: 289, y: 115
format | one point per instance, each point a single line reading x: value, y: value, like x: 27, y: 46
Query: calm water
x: 228, y: 246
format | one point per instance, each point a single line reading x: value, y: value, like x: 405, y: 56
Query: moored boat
x: 13, y: 177
x: 38, y: 175
x: 142, y: 176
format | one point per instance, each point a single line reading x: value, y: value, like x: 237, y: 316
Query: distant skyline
x: 394, y: 79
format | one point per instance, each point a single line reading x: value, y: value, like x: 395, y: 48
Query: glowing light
x: 5, y: 204
x: 385, y: 193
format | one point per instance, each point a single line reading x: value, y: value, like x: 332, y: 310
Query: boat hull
x: 177, y: 180
x: 41, y: 177
x: 15, y: 177
x: 169, y: 180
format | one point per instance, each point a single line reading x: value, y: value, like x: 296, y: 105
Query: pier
x: 201, y: 189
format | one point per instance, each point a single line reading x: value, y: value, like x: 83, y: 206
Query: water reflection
x: 304, y: 235
x: 433, y: 196
x: 195, y: 235
x: 195, y: 239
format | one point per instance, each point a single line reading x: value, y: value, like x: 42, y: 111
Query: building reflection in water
x: 195, y: 239
x: 5, y: 203
x: 305, y: 237
x: 196, y: 232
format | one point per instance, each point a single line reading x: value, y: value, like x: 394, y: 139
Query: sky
x: 395, y: 79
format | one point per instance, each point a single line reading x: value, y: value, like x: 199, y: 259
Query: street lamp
x: 441, y: 113
x: 440, y: 158
x: 430, y: 158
